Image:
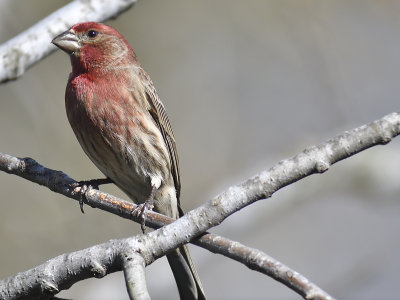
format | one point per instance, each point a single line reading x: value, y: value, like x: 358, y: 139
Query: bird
x: 122, y: 126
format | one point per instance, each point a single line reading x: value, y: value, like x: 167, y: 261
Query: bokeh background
x: 246, y: 84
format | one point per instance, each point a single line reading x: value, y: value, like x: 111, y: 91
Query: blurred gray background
x: 246, y: 84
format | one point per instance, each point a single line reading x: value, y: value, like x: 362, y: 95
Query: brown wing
x: 158, y: 112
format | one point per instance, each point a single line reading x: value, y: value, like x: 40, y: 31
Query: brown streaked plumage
x: 122, y: 126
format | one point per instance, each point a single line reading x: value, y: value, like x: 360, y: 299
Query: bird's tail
x: 186, y: 277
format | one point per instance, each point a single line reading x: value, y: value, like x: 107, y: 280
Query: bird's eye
x: 92, y: 33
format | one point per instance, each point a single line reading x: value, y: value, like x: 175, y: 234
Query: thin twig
x: 259, y: 261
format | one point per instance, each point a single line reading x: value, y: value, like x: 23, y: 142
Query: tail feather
x: 186, y: 277
x: 185, y: 273
x: 185, y: 250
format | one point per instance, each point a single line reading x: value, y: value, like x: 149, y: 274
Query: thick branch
x: 29, y: 47
x: 134, y: 266
x: 63, y: 271
x: 313, y: 160
x: 316, y: 159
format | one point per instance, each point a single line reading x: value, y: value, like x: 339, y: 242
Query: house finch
x: 122, y: 125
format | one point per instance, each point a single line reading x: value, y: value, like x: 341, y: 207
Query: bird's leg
x: 86, y: 185
x: 141, y: 209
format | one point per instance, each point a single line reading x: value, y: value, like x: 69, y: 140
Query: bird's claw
x: 140, y: 212
x: 83, y: 186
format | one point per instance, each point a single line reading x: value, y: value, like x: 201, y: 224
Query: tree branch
x: 131, y: 255
x: 59, y: 182
x: 315, y: 159
x: 259, y: 261
x: 62, y: 272
x: 29, y: 47
x: 134, y: 266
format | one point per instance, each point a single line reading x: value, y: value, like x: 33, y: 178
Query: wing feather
x: 159, y: 114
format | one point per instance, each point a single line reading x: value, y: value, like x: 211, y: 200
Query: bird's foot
x: 141, y: 209
x: 140, y: 212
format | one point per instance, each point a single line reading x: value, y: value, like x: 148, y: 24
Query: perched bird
x: 122, y: 125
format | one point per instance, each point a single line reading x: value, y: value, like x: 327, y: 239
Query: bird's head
x: 94, y: 45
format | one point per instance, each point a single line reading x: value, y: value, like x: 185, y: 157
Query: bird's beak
x: 67, y: 41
